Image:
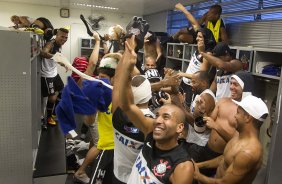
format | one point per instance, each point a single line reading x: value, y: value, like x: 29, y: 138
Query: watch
x: 64, y: 12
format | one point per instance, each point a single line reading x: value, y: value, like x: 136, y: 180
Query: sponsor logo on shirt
x: 152, y: 73
x: 141, y: 168
x: 133, y: 130
x: 129, y: 143
x: 222, y: 80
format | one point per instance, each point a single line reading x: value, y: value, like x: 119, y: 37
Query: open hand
x: 129, y: 53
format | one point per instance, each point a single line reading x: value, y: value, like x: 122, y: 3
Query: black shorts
x: 103, y: 168
x: 51, y: 85
x: 47, y: 25
x: 195, y: 151
x: 45, y: 22
x: 208, y: 154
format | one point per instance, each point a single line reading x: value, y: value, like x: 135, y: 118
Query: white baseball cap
x: 108, y: 62
x: 254, y: 106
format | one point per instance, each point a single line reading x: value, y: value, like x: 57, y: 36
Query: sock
x: 50, y: 109
x: 58, y: 99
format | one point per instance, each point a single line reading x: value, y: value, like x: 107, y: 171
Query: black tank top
x: 155, y: 165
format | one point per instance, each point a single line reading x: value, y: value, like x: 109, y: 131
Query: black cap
x: 221, y: 49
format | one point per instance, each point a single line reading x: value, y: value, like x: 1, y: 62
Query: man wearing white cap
x: 242, y: 156
x: 222, y: 122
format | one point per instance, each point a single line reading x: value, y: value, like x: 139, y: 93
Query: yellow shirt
x: 106, y: 130
x: 214, y: 29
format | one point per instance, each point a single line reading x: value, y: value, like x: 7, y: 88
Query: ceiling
x: 138, y: 7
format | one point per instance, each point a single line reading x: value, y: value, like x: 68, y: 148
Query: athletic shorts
x: 46, y: 22
x: 103, y: 168
x: 51, y: 85
x: 47, y: 25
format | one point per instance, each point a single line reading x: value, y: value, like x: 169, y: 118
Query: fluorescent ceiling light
x: 95, y: 6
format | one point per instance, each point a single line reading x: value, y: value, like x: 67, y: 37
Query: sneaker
x: 81, y: 178
x: 54, y: 117
x: 51, y: 121
x: 80, y: 161
x: 82, y: 146
x: 38, y: 31
x: 43, y: 124
x: 35, y: 30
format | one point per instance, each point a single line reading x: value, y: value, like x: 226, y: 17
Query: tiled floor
x: 48, y: 157
x: 60, y: 179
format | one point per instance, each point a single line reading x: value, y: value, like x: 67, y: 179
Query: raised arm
x: 92, y: 64
x: 223, y: 35
x: 205, y: 66
x: 115, y: 93
x: 232, y: 66
x: 125, y: 93
x: 188, y: 15
x: 159, y: 49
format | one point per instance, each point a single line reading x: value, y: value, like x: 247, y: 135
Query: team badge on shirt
x: 161, y: 168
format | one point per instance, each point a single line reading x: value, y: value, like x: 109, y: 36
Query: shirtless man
x: 153, y: 51
x: 152, y: 46
x: 42, y: 23
x: 222, y: 121
x: 242, y: 156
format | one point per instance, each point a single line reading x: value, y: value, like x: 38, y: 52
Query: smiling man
x: 51, y: 82
x: 162, y: 159
x: 242, y: 156
x: 222, y: 121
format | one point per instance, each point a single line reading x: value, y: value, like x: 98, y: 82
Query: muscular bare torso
x: 250, y: 147
x: 226, y: 120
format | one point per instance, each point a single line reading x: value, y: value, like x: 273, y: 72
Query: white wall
x: 78, y: 30
x: 157, y: 21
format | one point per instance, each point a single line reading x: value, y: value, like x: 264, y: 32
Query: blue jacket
x: 92, y: 96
